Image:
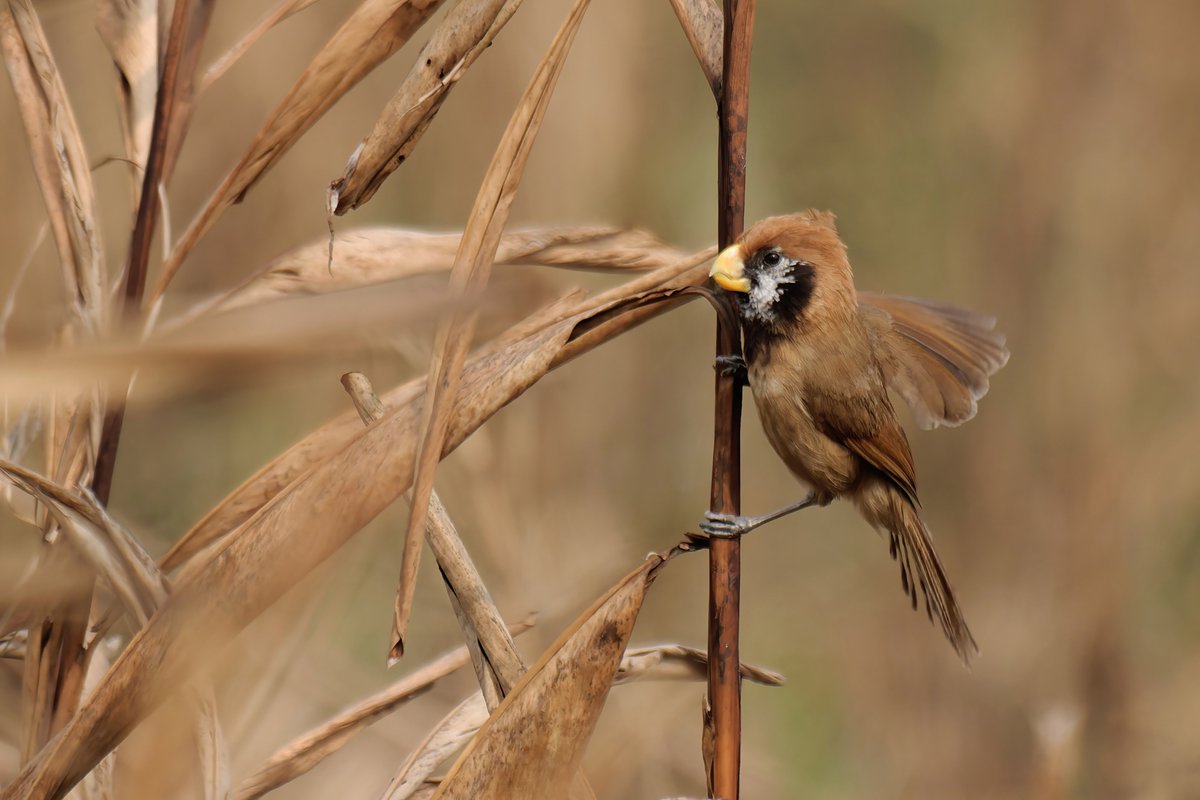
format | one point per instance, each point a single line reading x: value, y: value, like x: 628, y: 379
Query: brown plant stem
x: 724, y: 678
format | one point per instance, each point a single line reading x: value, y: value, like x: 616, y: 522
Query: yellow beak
x: 729, y: 270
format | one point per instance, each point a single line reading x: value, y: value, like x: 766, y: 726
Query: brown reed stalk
x: 724, y: 678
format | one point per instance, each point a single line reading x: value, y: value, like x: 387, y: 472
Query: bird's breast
x: 814, y: 458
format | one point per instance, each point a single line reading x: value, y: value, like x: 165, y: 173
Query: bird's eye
x: 772, y: 259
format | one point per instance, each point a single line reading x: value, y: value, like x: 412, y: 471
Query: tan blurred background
x: 1036, y: 160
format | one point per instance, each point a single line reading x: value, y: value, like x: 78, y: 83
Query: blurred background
x: 1036, y: 160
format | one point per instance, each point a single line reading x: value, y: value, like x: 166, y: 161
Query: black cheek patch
x: 794, y: 297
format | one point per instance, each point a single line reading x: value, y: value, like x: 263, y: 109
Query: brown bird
x: 820, y: 359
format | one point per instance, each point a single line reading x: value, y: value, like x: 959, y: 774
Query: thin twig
x: 724, y: 679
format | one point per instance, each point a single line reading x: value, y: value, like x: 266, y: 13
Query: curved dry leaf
x: 375, y: 30
x: 704, y: 25
x: 674, y: 662
x: 459, y: 40
x: 367, y: 256
x: 470, y: 273
x: 110, y: 550
x: 534, y: 742
x: 129, y: 29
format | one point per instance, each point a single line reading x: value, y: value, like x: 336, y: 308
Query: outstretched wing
x: 937, y: 356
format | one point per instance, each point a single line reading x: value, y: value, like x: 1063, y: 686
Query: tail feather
x: 922, y: 576
x: 913, y: 547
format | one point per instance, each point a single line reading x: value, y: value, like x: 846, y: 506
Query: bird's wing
x: 938, y: 357
x: 866, y: 425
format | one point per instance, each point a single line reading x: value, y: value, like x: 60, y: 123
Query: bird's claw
x: 732, y: 365
x: 724, y: 526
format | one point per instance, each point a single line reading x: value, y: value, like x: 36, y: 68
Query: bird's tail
x: 912, y: 545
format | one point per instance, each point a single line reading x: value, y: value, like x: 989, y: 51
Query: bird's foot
x: 732, y: 365
x: 726, y: 526
x: 730, y: 525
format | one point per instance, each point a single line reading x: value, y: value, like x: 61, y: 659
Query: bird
x: 820, y: 359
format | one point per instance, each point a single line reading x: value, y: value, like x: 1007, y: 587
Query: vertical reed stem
x: 724, y: 662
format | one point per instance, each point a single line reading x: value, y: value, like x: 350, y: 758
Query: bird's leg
x: 732, y: 525
x: 732, y: 365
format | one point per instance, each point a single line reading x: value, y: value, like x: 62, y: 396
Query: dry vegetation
x: 231, y: 597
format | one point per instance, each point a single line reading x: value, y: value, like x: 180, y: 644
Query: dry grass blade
x: 375, y: 30
x: 57, y: 146
x: 327, y: 441
x: 129, y: 28
x: 533, y: 744
x: 462, y: 37
x: 673, y: 662
x: 472, y: 268
x: 445, y: 739
x: 704, y: 26
x: 368, y: 256
x: 301, y: 755
x: 222, y: 65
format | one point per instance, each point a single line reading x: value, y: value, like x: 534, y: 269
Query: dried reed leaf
x: 704, y: 25
x: 471, y: 270
x: 533, y: 744
x: 445, y: 739
x: 129, y: 29
x: 57, y: 146
x: 285, y: 9
x: 375, y: 30
x: 673, y: 662
x: 37, y: 131
x: 331, y: 438
x: 184, y: 43
x: 305, y: 752
x: 368, y: 256
x: 459, y: 40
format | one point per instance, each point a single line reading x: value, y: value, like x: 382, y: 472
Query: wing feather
x: 866, y: 425
x: 937, y: 356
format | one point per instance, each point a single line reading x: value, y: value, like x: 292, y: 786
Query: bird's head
x: 784, y: 270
